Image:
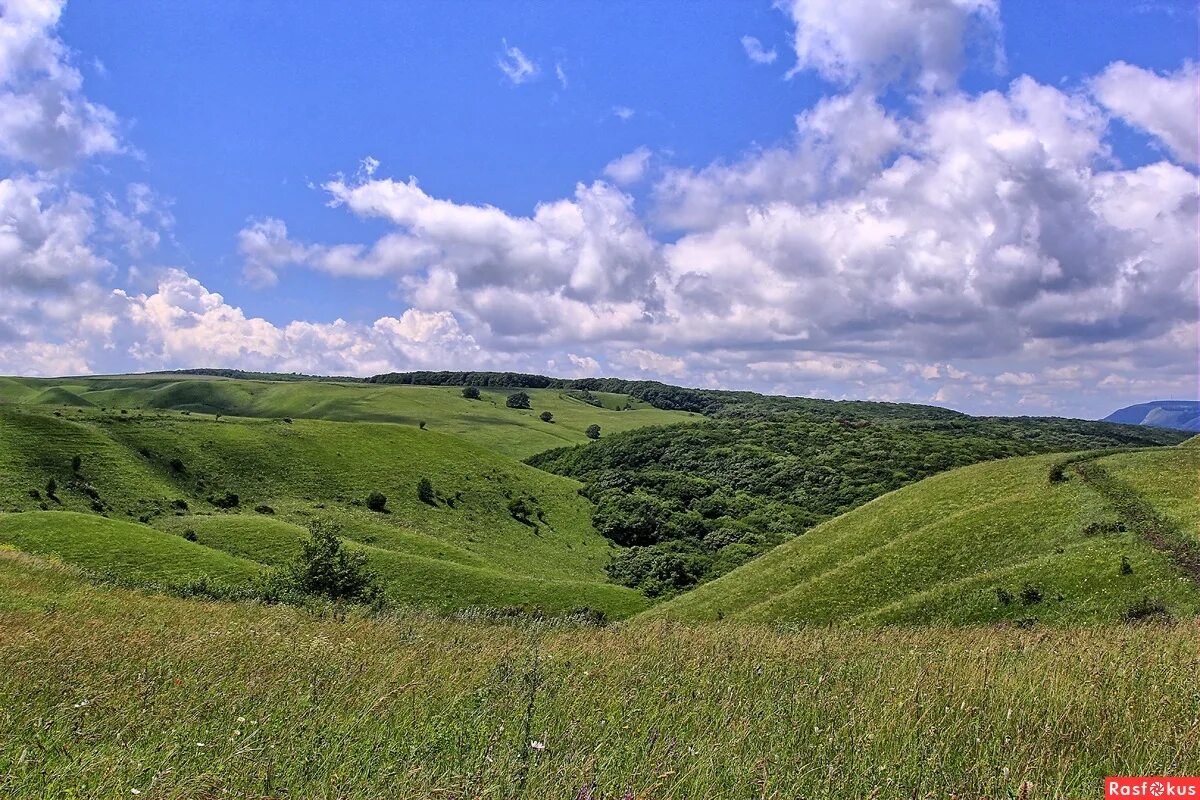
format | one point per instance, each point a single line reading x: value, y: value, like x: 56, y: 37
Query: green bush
x: 546, y: 416
x: 517, y: 400
x: 470, y: 392
x: 1146, y: 609
x: 227, y: 500
x: 592, y: 432
x: 425, y: 492
x: 377, y: 501
x: 326, y: 568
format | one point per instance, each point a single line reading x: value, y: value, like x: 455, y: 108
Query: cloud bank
x: 981, y: 250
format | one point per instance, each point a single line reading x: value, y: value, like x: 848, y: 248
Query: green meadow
x: 106, y: 691
x: 1017, y: 627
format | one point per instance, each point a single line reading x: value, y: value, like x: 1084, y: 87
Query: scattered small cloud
x: 515, y: 65
x: 629, y: 168
x: 623, y: 113
x: 561, y: 74
x: 757, y: 52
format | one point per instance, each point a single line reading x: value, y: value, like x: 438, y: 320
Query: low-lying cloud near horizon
x: 984, y: 251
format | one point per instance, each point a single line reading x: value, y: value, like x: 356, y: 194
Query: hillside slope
x: 990, y: 542
x: 517, y: 433
x: 496, y: 533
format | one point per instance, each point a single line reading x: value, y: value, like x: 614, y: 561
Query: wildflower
x: 135, y: 791
x: 241, y: 719
x: 536, y: 745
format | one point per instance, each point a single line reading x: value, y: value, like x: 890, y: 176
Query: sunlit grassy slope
x: 1169, y: 478
x: 112, y: 548
x: 940, y: 549
x: 105, y: 691
x: 486, y: 421
x: 169, y: 471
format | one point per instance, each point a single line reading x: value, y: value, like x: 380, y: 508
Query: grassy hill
x: 990, y: 542
x: 177, y: 473
x: 111, y: 548
x: 487, y: 421
x: 106, y: 691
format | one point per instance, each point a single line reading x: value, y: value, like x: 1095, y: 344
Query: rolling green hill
x: 497, y: 533
x: 517, y: 433
x: 990, y: 542
x: 237, y: 469
x: 112, y: 548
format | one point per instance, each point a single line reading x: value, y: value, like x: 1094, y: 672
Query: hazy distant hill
x: 1182, y: 415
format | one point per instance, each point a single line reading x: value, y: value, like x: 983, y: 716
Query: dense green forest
x: 691, y: 502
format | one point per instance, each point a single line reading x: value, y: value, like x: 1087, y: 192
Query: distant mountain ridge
x: 1180, y: 415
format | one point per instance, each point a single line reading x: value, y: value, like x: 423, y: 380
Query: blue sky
x: 213, y: 208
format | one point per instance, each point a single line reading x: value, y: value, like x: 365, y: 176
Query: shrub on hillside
x: 377, y: 501
x: 470, y: 392
x: 326, y: 568
x: 1030, y: 594
x: 521, y: 510
x: 425, y: 492
x: 264, y: 509
x: 76, y: 463
x: 517, y: 400
x: 546, y: 416
x: 227, y: 500
x: 592, y: 432
x: 1146, y: 609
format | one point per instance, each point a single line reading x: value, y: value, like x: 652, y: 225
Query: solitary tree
x: 517, y: 400
x: 326, y: 567
x: 592, y: 432
x: 470, y: 392
x: 425, y: 491
x: 546, y: 416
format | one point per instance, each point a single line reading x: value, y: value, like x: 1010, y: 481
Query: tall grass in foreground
x: 105, y: 691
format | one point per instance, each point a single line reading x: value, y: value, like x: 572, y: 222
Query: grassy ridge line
x: 135, y: 553
x: 421, y: 580
x: 138, y: 555
x: 1168, y: 479
x: 1162, y: 533
x: 106, y: 691
x: 947, y: 549
x: 488, y: 422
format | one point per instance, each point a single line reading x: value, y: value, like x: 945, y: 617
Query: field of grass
x: 106, y: 691
x: 950, y: 547
x: 169, y: 471
x: 486, y: 421
x: 135, y: 553
x: 1168, y: 478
